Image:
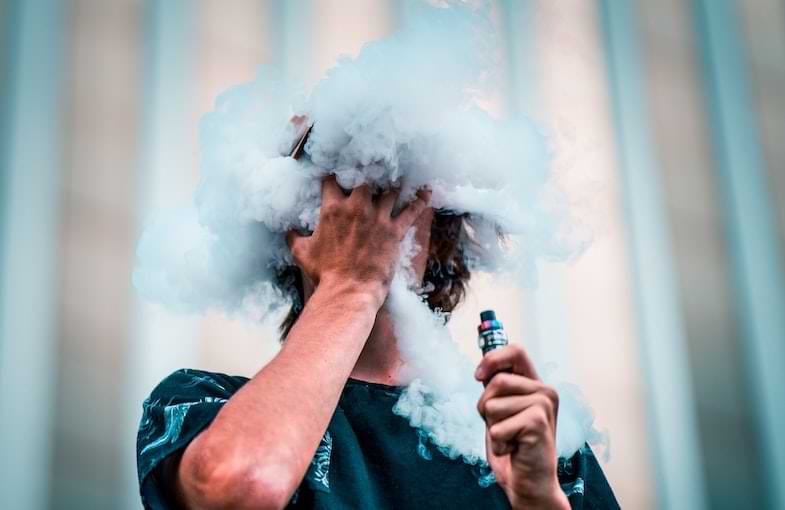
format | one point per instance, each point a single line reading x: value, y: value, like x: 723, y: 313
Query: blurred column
x: 166, y: 177
x: 763, y: 22
x: 517, y: 29
x: 7, y: 46
x: 293, y: 39
x: 675, y: 441
x: 30, y: 165
x: 752, y: 229
x: 311, y: 34
x: 103, y: 56
x: 701, y: 254
x: 586, y: 313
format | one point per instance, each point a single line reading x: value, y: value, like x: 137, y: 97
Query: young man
x: 314, y: 428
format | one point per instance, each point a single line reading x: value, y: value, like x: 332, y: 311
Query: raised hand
x: 520, y: 413
x: 357, y: 239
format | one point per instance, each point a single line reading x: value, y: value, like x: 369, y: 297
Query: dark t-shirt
x: 368, y: 458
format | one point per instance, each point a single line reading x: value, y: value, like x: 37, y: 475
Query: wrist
x: 364, y: 293
x: 553, y: 499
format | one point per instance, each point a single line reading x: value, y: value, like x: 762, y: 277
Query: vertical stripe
x: 757, y: 254
x: 160, y: 341
x: 672, y: 412
x: 30, y: 262
x: 703, y: 263
x: 8, y: 14
x: 595, y: 306
x: 764, y: 33
x: 517, y: 30
x: 103, y: 53
x: 294, y: 39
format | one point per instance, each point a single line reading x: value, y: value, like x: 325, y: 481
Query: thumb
x: 296, y: 242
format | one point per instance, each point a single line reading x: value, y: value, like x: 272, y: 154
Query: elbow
x: 240, y: 487
x: 235, y: 484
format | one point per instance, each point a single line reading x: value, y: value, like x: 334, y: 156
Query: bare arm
x: 258, y: 448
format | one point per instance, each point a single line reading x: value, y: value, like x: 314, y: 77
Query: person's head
x: 440, y: 266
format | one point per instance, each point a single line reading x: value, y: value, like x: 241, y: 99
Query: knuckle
x: 539, y: 386
x: 329, y: 211
x: 495, y: 432
x: 507, y: 380
x: 492, y: 406
x: 402, y: 222
x: 529, y: 440
x: 391, y: 228
x: 516, y: 350
x: 491, y: 359
x: 545, y: 405
x: 500, y: 353
x: 551, y: 394
x: 498, y: 382
x: 539, y: 420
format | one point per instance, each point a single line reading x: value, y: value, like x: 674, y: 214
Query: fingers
x: 511, y: 358
x: 387, y: 201
x: 407, y: 217
x: 331, y: 192
x: 295, y: 241
x: 526, y: 428
x: 506, y: 384
x: 517, y: 409
x: 299, y: 121
x: 361, y: 195
x: 501, y: 408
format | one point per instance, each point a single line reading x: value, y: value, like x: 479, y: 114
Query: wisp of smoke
x: 403, y: 113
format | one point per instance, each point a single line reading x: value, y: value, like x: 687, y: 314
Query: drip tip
x: 487, y: 315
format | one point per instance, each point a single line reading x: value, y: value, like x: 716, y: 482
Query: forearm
x: 265, y: 436
x: 556, y: 501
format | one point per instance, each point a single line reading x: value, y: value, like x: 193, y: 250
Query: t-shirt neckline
x: 375, y: 385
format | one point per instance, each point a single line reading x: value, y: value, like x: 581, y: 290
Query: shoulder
x: 179, y: 408
x: 185, y: 384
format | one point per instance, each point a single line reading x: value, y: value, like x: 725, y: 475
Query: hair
x: 444, y: 282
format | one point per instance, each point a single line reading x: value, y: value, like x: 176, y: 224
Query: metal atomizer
x: 299, y: 146
x: 491, y: 334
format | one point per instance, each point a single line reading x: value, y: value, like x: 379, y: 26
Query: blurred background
x: 668, y: 123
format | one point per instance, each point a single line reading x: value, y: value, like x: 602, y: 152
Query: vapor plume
x: 405, y: 112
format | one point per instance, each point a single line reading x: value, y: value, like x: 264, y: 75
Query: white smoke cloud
x: 404, y: 112
x: 441, y: 394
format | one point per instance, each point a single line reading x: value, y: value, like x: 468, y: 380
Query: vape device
x: 299, y: 146
x: 491, y: 334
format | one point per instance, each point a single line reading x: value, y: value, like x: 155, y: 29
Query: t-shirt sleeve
x: 582, y: 480
x: 178, y: 409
